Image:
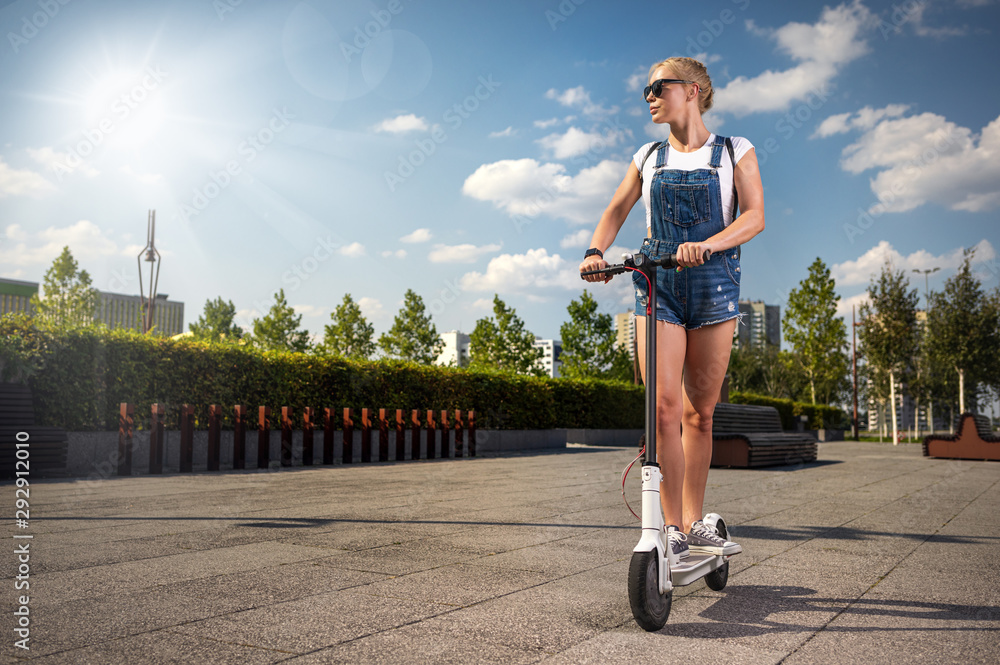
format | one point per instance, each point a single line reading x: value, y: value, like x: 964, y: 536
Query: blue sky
x: 467, y: 149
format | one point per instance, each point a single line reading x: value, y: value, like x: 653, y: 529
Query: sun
x: 125, y: 107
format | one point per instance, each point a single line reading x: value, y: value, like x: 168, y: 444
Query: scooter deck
x: 695, y: 566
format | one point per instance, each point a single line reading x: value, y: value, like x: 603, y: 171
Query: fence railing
x: 434, y: 428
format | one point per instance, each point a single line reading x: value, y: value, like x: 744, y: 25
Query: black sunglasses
x: 656, y: 87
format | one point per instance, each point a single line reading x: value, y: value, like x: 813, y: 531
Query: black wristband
x: 592, y: 251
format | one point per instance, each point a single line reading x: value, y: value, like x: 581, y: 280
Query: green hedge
x: 820, y: 415
x: 85, y: 374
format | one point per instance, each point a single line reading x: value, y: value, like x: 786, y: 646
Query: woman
x: 692, y: 184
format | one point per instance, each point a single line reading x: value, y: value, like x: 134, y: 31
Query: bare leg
x: 705, y: 366
x: 671, y: 343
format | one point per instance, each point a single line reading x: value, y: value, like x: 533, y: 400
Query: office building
x: 455, y: 351
x: 625, y: 332
x: 15, y: 296
x: 549, y: 361
x: 761, y: 325
x: 115, y: 310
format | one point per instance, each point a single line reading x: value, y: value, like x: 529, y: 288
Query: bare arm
x: 625, y: 196
x: 746, y: 176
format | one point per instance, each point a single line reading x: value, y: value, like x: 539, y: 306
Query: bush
x: 820, y: 416
x: 85, y: 374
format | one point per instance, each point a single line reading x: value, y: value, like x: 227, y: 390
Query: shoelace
x: 702, y: 529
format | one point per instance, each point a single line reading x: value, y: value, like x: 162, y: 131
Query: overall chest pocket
x: 686, y: 204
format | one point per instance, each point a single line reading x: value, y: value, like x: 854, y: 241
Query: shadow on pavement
x: 745, y: 611
x: 845, y: 533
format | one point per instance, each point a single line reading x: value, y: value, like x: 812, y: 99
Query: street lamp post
x: 927, y: 306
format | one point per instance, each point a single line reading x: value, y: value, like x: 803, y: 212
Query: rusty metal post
x: 445, y: 435
x: 383, y: 436
x: 307, y: 436
x: 264, y: 437
x: 187, y: 438
x: 366, y: 437
x: 239, y: 436
x: 414, y: 434
x: 214, y: 435
x: 156, y: 439
x: 400, y: 436
x: 458, y: 434
x: 286, y: 436
x: 348, y: 437
x: 126, y: 429
x: 328, y: 430
x: 472, y: 433
x: 431, y: 436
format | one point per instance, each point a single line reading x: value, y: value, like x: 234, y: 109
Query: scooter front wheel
x: 649, y: 607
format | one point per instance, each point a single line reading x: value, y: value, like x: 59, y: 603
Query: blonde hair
x: 690, y: 69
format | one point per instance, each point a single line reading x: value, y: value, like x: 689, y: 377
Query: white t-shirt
x: 690, y: 161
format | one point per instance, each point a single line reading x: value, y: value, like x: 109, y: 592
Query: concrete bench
x: 973, y: 440
x: 746, y: 435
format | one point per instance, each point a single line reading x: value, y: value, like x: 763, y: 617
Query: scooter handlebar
x: 663, y: 261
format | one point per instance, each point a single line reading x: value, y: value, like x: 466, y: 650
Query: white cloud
x: 545, y: 124
x: 371, y: 308
x: 927, y: 159
x: 398, y: 254
x: 403, y: 123
x: 864, y: 119
x: 821, y: 49
x: 510, y: 131
x: 845, y: 305
x: 61, y: 162
x: 419, y: 235
x: 355, y: 249
x: 580, y: 238
x: 527, y: 188
x: 84, y: 238
x: 465, y: 253
x: 21, y: 182
x: 575, y: 142
x: 869, y: 264
x: 311, y: 311
x: 579, y: 98
x: 532, y: 273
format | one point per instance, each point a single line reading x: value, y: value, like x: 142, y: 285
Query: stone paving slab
x: 872, y: 554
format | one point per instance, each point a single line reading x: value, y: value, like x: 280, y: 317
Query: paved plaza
x: 872, y: 554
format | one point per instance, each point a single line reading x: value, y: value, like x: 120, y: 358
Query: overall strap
x: 736, y: 196
x: 717, y: 145
x: 646, y: 156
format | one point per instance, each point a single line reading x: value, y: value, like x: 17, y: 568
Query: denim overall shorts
x: 686, y: 206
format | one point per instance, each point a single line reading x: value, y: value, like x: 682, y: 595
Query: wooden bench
x: 745, y: 435
x: 47, y: 446
x: 973, y: 440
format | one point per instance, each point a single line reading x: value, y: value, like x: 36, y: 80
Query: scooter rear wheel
x: 718, y: 578
x: 649, y: 607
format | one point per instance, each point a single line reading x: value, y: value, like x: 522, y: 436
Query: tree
x: 412, y: 336
x: 350, y: 335
x: 504, y: 343
x: 70, y: 300
x: 962, y: 332
x: 588, y: 344
x: 888, y: 331
x: 279, y: 329
x: 817, y: 335
x: 216, y: 322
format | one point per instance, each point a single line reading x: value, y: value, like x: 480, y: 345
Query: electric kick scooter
x: 654, y: 570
